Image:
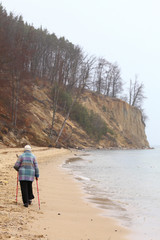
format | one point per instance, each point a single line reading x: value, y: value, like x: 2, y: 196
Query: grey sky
x: 122, y: 31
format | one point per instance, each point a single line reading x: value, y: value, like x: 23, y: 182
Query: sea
x: 125, y: 184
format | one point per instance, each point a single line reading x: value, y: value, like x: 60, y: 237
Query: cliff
x: 125, y: 124
x: 125, y: 121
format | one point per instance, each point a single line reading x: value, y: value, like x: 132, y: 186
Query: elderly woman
x: 27, y: 167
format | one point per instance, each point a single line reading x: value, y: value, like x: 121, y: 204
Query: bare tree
x: 136, y: 93
x: 108, y: 81
x: 63, y: 74
x: 99, y: 75
x: 83, y: 73
x: 136, y: 96
x: 116, y: 80
x: 108, y: 78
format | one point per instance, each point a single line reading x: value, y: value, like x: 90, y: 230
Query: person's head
x: 27, y: 148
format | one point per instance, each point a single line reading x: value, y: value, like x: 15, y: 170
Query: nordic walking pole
x: 38, y: 193
x: 17, y: 184
x: 17, y: 188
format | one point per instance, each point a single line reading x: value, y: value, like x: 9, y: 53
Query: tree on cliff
x: 136, y: 93
x: 80, y: 82
x: 14, y: 61
x: 108, y: 79
x: 64, y: 74
x: 136, y: 96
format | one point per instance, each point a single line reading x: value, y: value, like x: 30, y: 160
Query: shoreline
x: 64, y: 213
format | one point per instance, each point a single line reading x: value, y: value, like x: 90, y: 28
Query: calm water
x: 127, y: 184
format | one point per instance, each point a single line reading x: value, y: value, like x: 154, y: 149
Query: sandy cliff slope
x: 126, y: 128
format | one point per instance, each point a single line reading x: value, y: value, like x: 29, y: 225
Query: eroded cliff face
x: 125, y: 124
x: 125, y: 121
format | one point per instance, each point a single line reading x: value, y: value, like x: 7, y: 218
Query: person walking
x: 27, y: 167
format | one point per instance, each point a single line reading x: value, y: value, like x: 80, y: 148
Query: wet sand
x: 64, y: 213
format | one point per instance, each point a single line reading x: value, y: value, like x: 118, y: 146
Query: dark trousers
x: 26, y: 190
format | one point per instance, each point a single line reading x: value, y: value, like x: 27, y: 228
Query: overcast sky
x: 122, y: 31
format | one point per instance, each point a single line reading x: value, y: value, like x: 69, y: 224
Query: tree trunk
x: 65, y: 120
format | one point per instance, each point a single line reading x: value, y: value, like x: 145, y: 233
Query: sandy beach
x: 64, y: 214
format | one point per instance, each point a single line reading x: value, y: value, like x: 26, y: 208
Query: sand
x: 64, y: 212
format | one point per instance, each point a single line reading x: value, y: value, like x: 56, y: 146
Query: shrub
x: 64, y: 97
x: 91, y: 122
x: 104, y: 108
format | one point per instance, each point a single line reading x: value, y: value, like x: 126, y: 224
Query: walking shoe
x: 30, y: 202
x: 25, y: 204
